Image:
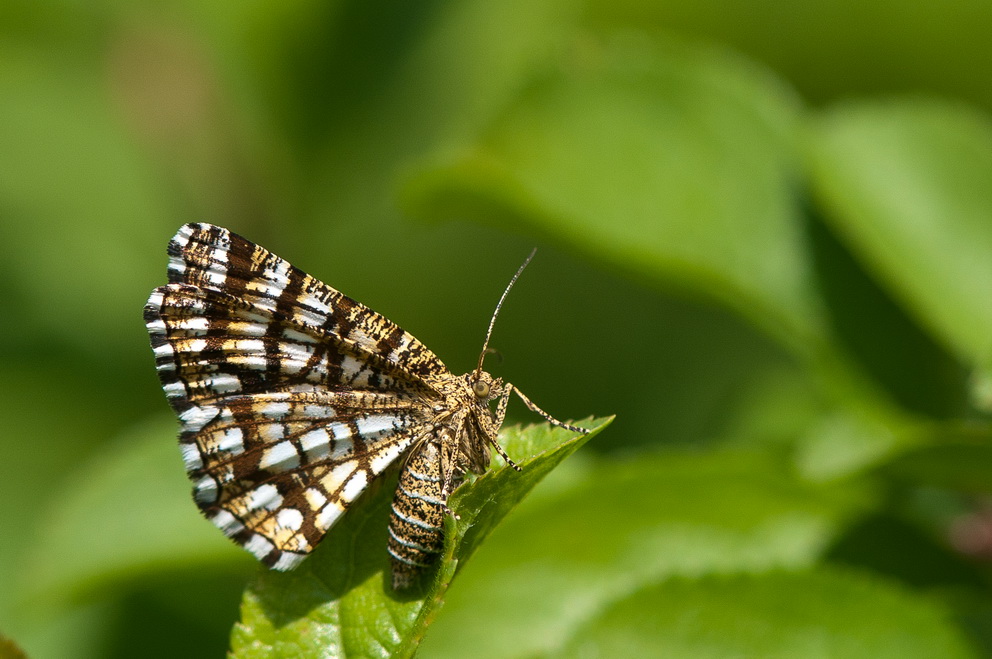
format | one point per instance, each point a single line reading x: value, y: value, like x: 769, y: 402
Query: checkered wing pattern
x: 292, y: 396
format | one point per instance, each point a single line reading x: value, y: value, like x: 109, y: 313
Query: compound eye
x: 480, y: 389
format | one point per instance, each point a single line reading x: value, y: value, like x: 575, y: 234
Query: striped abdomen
x: 415, y: 535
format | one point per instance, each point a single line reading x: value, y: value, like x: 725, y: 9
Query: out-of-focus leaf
x: 824, y: 613
x: 904, y: 550
x: 842, y: 443
x: 671, y: 161
x: 835, y: 49
x: 79, y: 202
x: 123, y: 514
x: 340, y: 602
x: 906, y: 184
x: 958, y: 463
x: 54, y: 415
x: 557, y: 562
x: 73, y: 632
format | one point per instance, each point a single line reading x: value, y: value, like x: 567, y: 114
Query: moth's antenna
x: 492, y: 321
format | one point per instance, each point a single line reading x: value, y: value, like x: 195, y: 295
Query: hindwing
x: 276, y: 471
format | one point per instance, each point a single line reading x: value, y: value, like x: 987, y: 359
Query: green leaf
x: 74, y: 183
x: 561, y: 559
x: 126, y: 513
x: 960, y: 462
x: 906, y: 184
x: 340, y: 603
x: 45, y: 444
x: 673, y: 161
x: 835, y: 49
x: 823, y: 613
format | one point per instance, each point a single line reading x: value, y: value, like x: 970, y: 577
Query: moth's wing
x: 209, y: 344
x: 214, y: 258
x: 275, y: 471
x: 280, y: 430
x: 287, y: 390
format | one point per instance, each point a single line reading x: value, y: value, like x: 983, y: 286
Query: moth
x: 293, y: 398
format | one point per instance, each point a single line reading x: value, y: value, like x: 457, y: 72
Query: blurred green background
x: 765, y: 243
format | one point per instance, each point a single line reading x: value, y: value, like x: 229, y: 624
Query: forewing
x: 212, y: 257
x: 209, y: 345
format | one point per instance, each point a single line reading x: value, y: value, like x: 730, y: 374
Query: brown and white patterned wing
x: 290, y: 400
x: 209, y: 344
x: 211, y: 257
x: 275, y: 471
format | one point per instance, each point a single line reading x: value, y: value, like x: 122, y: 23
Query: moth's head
x: 483, y: 386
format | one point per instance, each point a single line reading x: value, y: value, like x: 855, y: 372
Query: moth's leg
x: 447, y: 467
x: 550, y: 419
x: 504, y: 399
x: 502, y: 453
x: 493, y: 431
x: 450, y: 469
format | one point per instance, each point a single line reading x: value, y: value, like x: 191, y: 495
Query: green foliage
x: 145, y: 533
x: 742, y: 615
x: 905, y: 185
x: 666, y: 125
x: 765, y: 245
x: 333, y: 602
x: 610, y: 530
